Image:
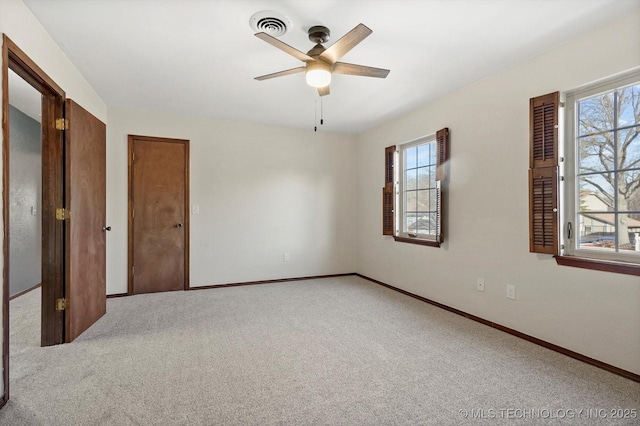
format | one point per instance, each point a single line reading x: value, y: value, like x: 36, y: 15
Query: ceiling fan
x: 320, y: 63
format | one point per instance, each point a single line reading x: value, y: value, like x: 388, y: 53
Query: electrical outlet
x: 285, y: 256
x: 511, y: 291
x: 480, y: 284
x: 195, y: 209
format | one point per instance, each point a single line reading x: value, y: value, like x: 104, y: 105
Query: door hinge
x: 133, y: 270
x: 62, y: 124
x: 133, y: 157
x: 133, y: 213
x: 61, y: 304
x: 62, y: 214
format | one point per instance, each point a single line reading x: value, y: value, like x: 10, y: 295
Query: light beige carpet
x: 338, y: 351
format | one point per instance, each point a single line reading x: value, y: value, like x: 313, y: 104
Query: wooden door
x: 158, y: 219
x: 85, y: 196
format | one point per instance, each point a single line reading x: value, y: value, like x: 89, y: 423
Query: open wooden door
x: 85, y: 240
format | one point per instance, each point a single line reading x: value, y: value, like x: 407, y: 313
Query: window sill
x: 599, y: 265
x: 419, y: 241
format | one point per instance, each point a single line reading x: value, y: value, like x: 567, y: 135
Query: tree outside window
x: 608, y: 169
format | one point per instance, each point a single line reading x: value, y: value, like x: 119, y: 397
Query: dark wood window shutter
x: 442, y: 156
x: 388, y: 196
x: 442, y: 141
x: 543, y: 174
x: 543, y: 131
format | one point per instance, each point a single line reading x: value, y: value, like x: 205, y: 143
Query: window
x: 602, y: 200
x: 415, y: 186
x: 419, y: 192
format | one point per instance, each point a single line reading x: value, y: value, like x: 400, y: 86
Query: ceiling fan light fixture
x: 318, y: 74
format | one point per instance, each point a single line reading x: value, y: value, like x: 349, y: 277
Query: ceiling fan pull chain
x: 315, y: 116
x: 321, y: 111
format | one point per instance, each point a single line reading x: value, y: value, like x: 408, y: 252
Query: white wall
x: 262, y: 191
x: 25, y: 202
x: 594, y: 313
x: 19, y: 24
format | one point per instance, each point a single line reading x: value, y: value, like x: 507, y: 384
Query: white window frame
x: 400, y: 180
x: 569, y: 195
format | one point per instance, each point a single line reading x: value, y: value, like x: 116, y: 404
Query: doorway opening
x: 25, y: 218
x: 25, y: 186
x: 73, y: 168
x: 51, y: 98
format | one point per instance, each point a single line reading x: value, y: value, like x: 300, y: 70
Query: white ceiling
x: 200, y: 57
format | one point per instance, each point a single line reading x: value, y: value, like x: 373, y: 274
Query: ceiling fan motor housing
x: 319, y: 34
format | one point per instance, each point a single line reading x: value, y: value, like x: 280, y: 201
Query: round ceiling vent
x: 273, y: 23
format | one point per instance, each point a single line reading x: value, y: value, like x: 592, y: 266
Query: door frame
x: 52, y: 321
x: 131, y: 140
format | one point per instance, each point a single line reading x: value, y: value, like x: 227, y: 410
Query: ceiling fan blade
x: 346, y: 43
x: 353, y: 69
x: 284, y: 47
x: 323, y: 91
x: 281, y: 73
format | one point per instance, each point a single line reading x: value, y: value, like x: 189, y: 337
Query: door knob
x: 106, y: 228
x: 179, y: 225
